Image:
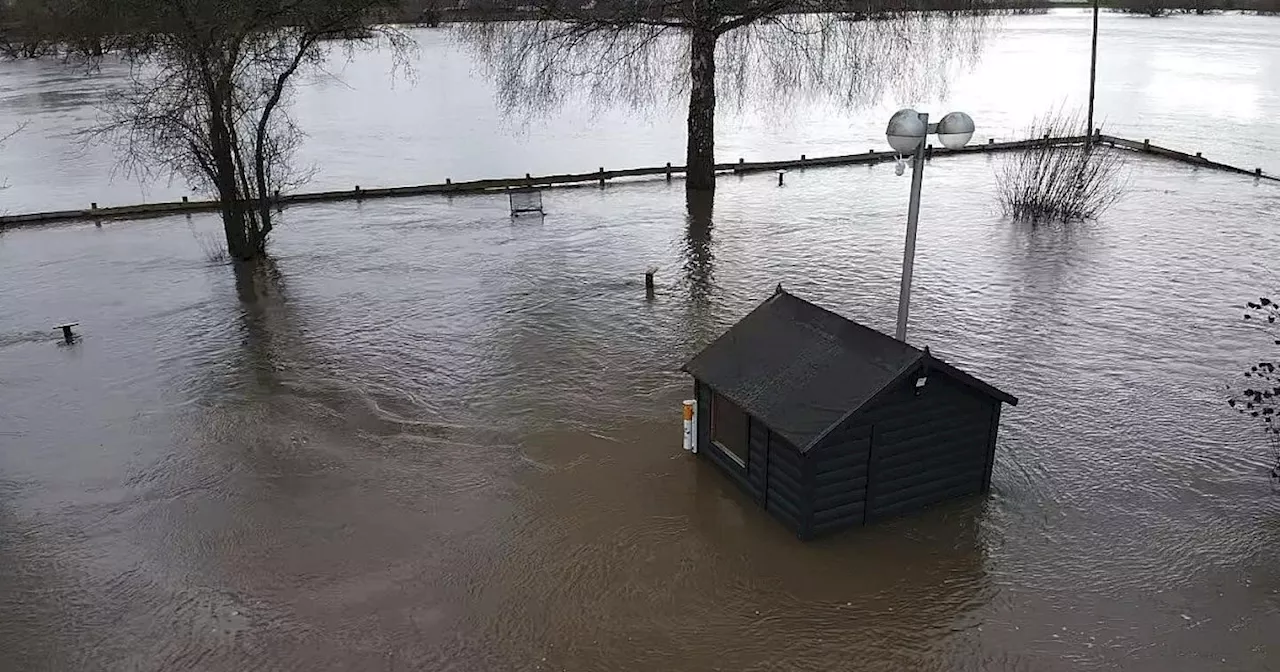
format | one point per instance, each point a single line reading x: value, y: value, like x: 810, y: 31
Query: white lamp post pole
x: 913, y: 220
x: 906, y: 133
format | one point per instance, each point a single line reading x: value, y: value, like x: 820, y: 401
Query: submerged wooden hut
x: 829, y: 424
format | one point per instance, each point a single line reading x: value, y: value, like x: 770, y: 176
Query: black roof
x: 802, y: 369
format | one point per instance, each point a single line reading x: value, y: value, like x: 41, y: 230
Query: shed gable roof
x: 801, y: 369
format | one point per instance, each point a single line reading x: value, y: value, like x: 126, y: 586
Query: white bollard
x: 688, y: 426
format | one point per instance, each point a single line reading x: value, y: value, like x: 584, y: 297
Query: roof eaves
x: 974, y: 381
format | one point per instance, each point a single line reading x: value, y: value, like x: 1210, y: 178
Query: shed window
x: 729, y: 428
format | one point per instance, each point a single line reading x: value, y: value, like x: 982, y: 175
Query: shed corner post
x: 763, y: 468
x: 697, y: 397
x: 871, y: 475
x: 701, y: 421
x: 808, y: 491
x: 991, y: 446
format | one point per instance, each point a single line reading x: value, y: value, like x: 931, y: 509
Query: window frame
x: 745, y: 457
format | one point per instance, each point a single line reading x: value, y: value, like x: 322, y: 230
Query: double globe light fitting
x: 908, y: 128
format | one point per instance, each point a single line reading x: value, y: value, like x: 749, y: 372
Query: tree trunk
x: 233, y: 222
x: 262, y: 230
x: 700, y: 162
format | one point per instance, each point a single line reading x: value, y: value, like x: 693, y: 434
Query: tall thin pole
x: 913, y: 218
x: 1093, y: 74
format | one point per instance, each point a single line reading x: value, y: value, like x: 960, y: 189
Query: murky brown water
x: 427, y: 436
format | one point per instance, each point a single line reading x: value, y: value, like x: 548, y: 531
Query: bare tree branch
x: 1259, y: 394
x: 210, y: 88
x: 641, y: 52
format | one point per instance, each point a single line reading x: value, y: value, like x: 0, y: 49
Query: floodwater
x: 428, y: 436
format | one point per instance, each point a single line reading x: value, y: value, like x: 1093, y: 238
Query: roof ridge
x: 897, y: 376
x: 854, y: 323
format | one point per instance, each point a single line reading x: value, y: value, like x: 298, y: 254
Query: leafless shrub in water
x: 1059, y: 182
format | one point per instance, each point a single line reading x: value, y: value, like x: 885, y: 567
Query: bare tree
x: 642, y: 51
x: 1057, y: 181
x: 1259, y: 397
x: 208, y: 101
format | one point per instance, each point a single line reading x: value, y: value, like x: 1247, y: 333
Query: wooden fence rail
x: 601, y: 176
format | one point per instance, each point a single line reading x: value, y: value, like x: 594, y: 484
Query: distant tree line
x: 91, y: 29
x: 1157, y: 8
x: 41, y: 28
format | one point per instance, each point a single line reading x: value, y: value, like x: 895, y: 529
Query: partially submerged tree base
x: 1059, y: 182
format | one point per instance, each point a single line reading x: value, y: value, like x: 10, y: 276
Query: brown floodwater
x: 426, y: 436
x: 429, y: 436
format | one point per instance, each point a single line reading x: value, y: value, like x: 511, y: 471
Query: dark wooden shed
x: 828, y: 424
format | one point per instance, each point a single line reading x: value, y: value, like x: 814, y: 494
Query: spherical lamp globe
x: 906, y: 131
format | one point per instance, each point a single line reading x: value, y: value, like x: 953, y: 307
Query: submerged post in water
x: 67, y: 334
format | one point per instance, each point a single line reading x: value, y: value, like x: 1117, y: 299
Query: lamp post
x: 906, y: 133
x: 1093, y: 76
